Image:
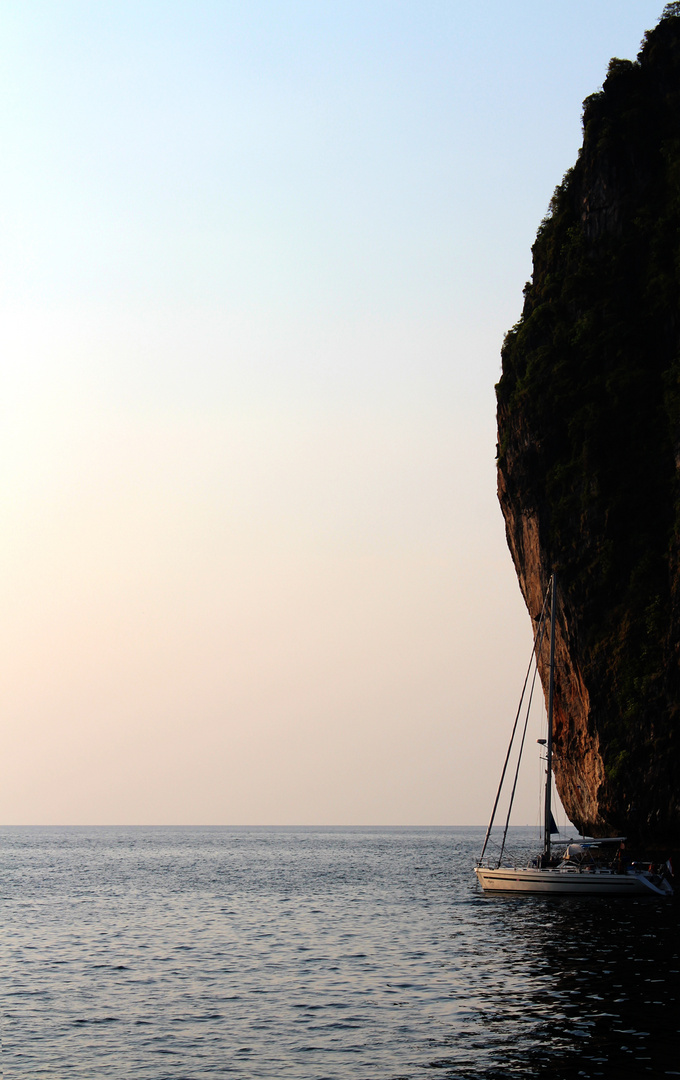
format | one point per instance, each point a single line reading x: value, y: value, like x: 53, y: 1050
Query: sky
x: 258, y: 262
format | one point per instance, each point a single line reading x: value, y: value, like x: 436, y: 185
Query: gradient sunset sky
x: 258, y: 262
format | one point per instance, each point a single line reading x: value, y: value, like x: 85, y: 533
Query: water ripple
x: 329, y: 954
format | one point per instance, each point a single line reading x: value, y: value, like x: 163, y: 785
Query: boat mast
x: 551, y: 689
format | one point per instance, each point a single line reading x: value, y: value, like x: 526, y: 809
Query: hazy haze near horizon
x: 259, y: 262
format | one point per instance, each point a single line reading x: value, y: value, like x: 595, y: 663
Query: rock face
x: 589, y: 449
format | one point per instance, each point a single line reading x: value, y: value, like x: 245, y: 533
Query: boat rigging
x: 583, y: 866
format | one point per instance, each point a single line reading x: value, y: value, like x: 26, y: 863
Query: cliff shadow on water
x: 589, y: 449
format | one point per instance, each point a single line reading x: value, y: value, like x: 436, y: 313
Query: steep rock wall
x: 589, y: 449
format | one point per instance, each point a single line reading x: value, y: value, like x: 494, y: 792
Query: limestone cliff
x: 589, y: 448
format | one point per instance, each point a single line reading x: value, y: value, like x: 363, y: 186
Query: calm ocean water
x: 319, y: 953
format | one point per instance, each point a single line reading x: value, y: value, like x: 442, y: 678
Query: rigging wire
x: 519, y: 756
x: 534, y: 654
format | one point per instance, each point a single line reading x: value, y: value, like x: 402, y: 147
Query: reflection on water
x: 591, y: 990
x: 192, y: 953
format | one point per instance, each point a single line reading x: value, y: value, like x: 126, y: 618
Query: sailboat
x: 573, y: 867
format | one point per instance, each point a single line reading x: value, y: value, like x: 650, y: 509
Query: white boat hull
x: 571, y: 882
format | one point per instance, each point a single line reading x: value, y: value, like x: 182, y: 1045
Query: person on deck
x: 621, y: 861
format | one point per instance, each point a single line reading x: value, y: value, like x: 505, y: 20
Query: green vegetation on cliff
x: 589, y: 419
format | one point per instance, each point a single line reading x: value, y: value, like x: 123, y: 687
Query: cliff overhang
x: 589, y: 449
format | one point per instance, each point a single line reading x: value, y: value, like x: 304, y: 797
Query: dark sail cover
x: 553, y: 825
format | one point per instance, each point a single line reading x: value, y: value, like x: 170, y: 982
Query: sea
x: 319, y: 954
